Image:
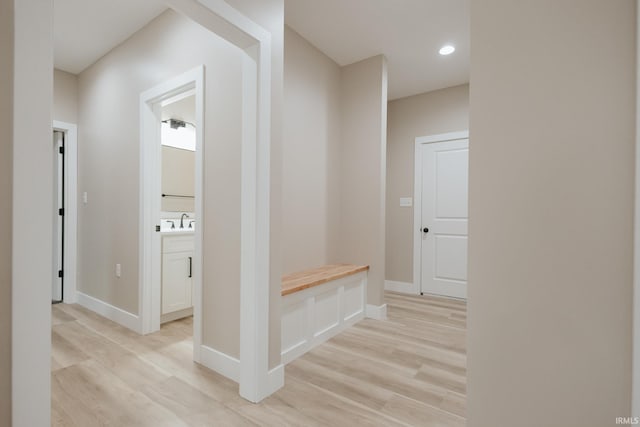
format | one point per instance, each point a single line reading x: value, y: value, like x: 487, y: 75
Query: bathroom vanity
x: 177, y: 269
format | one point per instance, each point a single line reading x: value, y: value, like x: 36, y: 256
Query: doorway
x: 64, y: 212
x: 177, y: 217
x: 441, y: 214
x: 57, y: 290
x: 163, y: 207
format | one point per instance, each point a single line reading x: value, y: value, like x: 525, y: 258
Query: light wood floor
x: 407, y: 371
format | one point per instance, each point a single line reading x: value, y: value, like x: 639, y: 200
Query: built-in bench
x: 320, y: 303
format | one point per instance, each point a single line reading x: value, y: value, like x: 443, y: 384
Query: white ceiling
x: 85, y: 30
x: 408, y: 32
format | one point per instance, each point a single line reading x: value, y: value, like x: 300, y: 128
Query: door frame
x: 417, y: 200
x: 70, y: 262
x: 255, y: 379
x: 150, y: 244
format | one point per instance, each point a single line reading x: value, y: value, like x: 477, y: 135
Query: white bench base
x: 313, y: 315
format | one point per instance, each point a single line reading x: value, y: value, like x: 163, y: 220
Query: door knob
x: 425, y: 230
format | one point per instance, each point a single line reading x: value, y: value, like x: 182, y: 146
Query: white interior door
x: 445, y: 183
x: 58, y: 216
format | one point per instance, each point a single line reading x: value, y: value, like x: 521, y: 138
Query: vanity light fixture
x: 176, y: 124
x: 447, y: 49
x: 175, y: 133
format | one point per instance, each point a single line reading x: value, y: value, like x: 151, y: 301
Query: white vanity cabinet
x: 177, y: 268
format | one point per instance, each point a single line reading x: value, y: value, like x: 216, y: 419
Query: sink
x: 165, y: 226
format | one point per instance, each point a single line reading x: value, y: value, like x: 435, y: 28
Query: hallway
x: 409, y: 370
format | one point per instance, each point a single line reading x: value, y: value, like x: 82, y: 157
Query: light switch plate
x: 406, y: 202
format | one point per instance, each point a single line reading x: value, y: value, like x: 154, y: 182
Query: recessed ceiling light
x: 447, y: 50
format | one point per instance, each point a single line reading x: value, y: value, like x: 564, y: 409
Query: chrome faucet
x: 182, y: 220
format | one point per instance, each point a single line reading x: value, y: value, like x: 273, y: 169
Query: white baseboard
x: 70, y: 296
x: 378, y: 312
x: 263, y: 386
x: 115, y: 314
x: 275, y: 379
x: 229, y: 367
x: 221, y: 363
x: 402, y: 287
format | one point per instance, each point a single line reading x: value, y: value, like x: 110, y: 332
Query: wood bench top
x: 300, y: 280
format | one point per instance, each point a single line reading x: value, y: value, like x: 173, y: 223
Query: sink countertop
x: 176, y: 232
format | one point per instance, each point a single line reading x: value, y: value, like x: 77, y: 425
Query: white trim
x: 150, y: 202
x: 229, y: 367
x: 251, y: 32
x: 255, y: 198
x: 417, y: 214
x: 443, y: 137
x: 198, y: 234
x: 222, y: 363
x: 417, y: 198
x: 401, y: 287
x: 115, y: 314
x: 248, y: 238
x: 635, y: 384
x: 255, y: 221
x: 70, y: 266
x: 378, y: 312
x: 229, y: 23
x: 178, y: 97
x: 275, y: 379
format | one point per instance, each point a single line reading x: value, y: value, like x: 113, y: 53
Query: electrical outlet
x: 118, y: 270
x: 85, y: 198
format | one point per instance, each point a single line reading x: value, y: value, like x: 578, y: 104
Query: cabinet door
x: 176, y: 281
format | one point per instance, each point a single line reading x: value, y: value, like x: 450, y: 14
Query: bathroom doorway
x: 171, y: 202
x: 177, y: 216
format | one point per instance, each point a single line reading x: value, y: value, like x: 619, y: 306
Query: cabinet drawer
x: 171, y: 244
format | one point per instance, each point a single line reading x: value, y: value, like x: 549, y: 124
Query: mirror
x: 178, y: 138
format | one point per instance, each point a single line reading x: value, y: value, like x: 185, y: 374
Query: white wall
x: 109, y: 130
x: 551, y: 212
x: 432, y: 113
x: 311, y: 156
x: 363, y: 170
x: 65, y: 96
x: 32, y: 201
x: 6, y: 208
